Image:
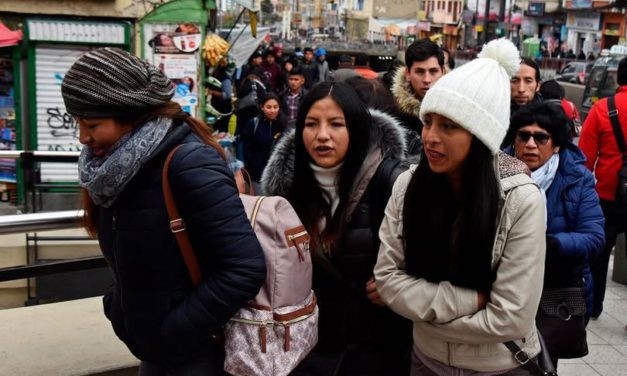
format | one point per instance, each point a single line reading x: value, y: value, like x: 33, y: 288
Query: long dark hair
x: 280, y: 124
x: 308, y: 199
x: 170, y: 110
x: 448, y: 237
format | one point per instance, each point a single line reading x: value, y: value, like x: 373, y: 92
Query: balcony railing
x: 19, y: 223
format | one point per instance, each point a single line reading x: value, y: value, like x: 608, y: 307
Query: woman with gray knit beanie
x: 129, y: 125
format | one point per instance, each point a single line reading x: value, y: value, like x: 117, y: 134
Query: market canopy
x: 181, y: 11
x: 9, y: 37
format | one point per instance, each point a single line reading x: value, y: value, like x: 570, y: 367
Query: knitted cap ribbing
x: 110, y: 82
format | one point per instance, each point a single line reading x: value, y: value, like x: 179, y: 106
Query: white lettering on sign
x: 584, y: 21
x: 76, y: 31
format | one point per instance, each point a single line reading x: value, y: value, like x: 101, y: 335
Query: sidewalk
x: 607, y: 338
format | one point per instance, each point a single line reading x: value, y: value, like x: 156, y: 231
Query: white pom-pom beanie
x: 477, y: 94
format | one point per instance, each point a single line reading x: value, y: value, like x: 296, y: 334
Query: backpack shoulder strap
x: 618, y: 132
x: 177, y: 226
x: 256, y: 124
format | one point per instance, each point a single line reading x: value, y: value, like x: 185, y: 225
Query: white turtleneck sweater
x: 327, y: 179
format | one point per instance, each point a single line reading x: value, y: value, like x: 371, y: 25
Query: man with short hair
x: 525, y: 84
x: 292, y: 96
x: 309, y: 68
x: 424, y: 65
x: 604, y: 157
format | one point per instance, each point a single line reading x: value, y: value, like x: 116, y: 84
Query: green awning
x: 181, y: 11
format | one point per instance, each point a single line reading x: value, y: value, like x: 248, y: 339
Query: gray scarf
x: 105, y: 178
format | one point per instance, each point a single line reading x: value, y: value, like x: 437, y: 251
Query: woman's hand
x: 372, y: 293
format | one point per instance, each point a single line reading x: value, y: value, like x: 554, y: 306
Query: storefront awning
x: 181, y: 11
x: 9, y: 37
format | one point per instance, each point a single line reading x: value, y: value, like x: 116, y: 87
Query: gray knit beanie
x: 110, y: 82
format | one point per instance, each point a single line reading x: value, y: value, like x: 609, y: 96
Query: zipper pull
x: 299, y: 238
x: 114, y: 221
x: 262, y: 338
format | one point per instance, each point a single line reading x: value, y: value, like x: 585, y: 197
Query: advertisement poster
x: 7, y: 119
x: 175, y: 49
x: 183, y: 71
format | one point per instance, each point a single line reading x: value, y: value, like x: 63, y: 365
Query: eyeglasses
x: 538, y: 137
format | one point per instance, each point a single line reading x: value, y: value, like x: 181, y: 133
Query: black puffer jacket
x: 153, y: 307
x: 347, y: 317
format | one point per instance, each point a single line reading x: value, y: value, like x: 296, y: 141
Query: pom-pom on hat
x: 109, y: 82
x: 477, y: 94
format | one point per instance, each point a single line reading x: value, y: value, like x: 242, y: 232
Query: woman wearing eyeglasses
x: 539, y: 136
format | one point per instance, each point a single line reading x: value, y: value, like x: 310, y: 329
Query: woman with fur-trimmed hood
x: 337, y: 169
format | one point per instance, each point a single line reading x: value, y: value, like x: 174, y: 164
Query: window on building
x: 612, y: 29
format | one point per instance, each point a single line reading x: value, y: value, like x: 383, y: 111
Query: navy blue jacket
x: 154, y: 309
x: 575, y: 219
x: 258, y: 138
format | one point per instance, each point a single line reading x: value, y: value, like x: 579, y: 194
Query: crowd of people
x: 453, y: 221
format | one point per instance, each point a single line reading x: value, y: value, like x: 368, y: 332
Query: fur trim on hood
x: 386, y: 134
x: 404, y: 94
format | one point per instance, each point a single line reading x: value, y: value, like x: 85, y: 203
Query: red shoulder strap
x: 177, y: 226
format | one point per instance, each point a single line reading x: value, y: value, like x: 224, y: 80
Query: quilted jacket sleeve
x: 587, y: 236
x: 208, y: 201
x: 411, y: 297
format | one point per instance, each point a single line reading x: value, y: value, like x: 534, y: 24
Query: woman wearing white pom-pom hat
x: 462, y: 241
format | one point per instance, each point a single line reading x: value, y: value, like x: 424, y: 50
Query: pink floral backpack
x: 279, y: 327
x: 276, y: 330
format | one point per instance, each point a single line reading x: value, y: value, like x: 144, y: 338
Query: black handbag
x: 253, y: 98
x: 561, y: 320
x: 541, y: 366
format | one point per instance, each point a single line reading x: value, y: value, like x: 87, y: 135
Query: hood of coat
x: 404, y: 94
x: 511, y: 172
x: 572, y: 163
x: 386, y: 136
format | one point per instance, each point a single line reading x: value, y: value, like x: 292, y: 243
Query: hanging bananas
x: 214, y: 49
x: 252, y: 16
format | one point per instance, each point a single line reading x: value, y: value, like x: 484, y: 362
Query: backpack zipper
x: 271, y: 322
x: 297, y: 235
x: 301, y: 252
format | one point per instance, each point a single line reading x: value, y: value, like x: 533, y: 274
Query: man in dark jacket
x: 599, y: 145
x: 309, y: 68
